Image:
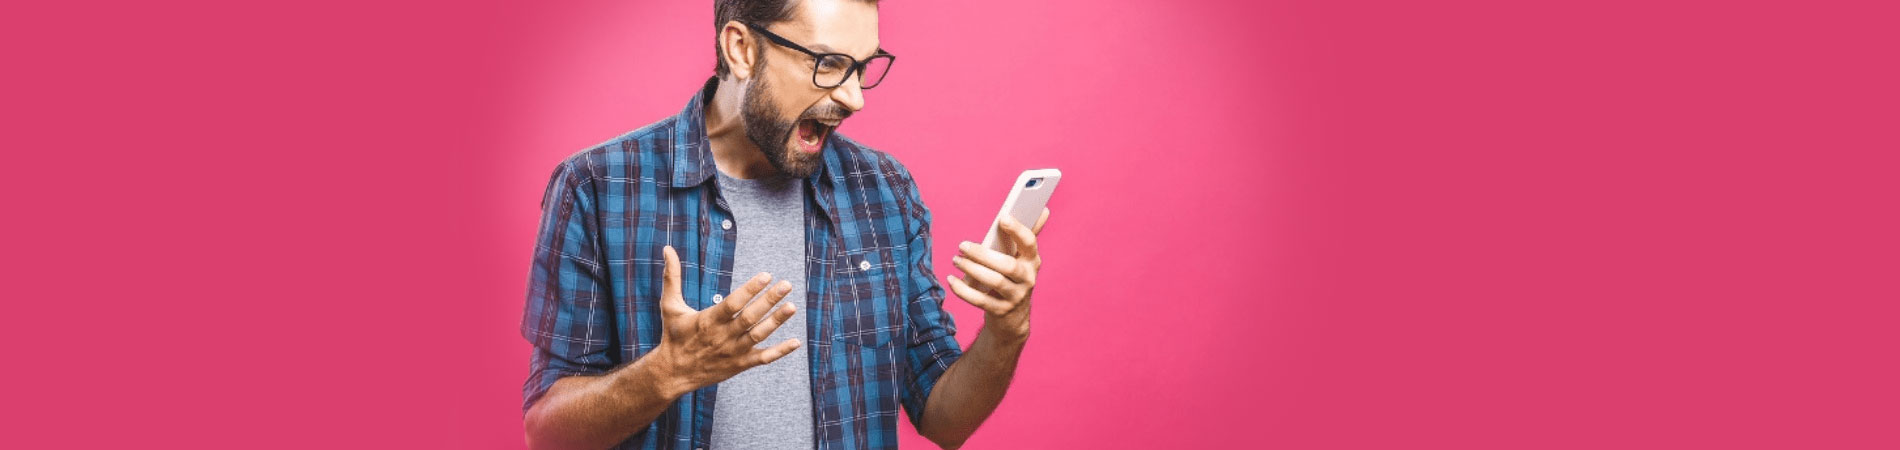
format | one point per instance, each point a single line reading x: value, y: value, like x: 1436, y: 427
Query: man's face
x: 786, y: 115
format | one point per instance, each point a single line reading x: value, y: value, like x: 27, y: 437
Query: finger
x: 1024, y: 240
x: 771, y: 323
x: 773, y: 353
x: 1040, y: 221
x: 756, y: 311
x: 980, y: 300
x: 728, y: 309
x: 984, y: 278
x: 672, y: 303
x: 995, y: 260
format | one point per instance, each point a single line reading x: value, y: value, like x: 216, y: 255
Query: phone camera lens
x: 1032, y: 182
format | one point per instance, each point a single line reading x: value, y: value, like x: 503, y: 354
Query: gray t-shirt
x: 768, y: 407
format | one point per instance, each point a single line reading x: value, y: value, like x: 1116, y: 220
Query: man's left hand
x: 1001, y: 283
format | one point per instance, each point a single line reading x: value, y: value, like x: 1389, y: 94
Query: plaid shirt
x: 878, y: 334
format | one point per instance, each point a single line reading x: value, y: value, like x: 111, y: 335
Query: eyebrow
x: 822, y: 48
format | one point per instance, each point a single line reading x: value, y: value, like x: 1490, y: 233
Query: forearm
x: 970, y: 389
x: 603, y: 410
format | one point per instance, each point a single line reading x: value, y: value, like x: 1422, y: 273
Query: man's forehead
x: 835, y: 26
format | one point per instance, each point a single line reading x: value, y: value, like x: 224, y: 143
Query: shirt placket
x: 715, y: 267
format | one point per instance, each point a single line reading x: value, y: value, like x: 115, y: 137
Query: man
x: 651, y: 329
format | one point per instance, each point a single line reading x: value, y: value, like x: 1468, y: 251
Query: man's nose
x: 850, y: 94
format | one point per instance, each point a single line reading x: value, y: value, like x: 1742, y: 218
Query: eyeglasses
x: 830, y: 70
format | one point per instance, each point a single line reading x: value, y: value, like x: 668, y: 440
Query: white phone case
x: 1025, y: 203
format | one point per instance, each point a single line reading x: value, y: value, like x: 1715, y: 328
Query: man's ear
x: 739, y: 48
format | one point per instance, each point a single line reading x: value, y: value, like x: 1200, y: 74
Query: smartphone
x: 1026, y: 199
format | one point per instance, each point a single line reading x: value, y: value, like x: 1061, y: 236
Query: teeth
x: 829, y: 122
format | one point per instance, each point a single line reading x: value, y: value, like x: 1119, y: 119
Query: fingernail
x: 965, y: 245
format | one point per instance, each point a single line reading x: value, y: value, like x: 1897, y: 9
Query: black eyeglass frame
x: 857, y: 67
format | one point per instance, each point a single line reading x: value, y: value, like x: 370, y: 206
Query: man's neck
x: 733, y: 152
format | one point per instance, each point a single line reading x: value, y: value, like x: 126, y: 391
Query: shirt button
x: 717, y: 298
x: 864, y: 265
x: 726, y: 224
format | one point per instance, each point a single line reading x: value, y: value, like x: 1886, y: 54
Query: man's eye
x: 832, y: 64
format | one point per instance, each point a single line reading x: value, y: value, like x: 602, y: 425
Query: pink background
x: 1297, y: 224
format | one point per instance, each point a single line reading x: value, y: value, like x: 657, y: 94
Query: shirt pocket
x: 867, y: 310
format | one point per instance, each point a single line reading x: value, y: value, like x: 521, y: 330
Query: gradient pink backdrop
x: 1298, y: 224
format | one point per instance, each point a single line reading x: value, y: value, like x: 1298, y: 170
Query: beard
x: 773, y: 135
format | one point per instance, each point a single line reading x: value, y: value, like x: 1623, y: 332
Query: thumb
x: 672, y: 303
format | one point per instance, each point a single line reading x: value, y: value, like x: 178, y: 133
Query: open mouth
x: 812, y: 132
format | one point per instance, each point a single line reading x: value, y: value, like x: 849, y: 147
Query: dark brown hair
x: 760, y: 12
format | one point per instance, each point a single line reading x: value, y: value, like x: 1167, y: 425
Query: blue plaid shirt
x: 879, y: 336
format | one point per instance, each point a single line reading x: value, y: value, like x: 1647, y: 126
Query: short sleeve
x: 931, y: 343
x: 568, y: 315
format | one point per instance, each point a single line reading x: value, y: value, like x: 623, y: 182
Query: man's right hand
x: 700, y: 348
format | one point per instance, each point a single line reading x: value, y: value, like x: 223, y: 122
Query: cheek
x: 795, y: 94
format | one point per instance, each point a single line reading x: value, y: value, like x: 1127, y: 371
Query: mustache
x: 826, y: 112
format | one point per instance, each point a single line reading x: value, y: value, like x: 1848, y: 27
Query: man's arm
x: 970, y: 390
x: 602, y: 410
x: 1001, y: 284
x: 697, y: 349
